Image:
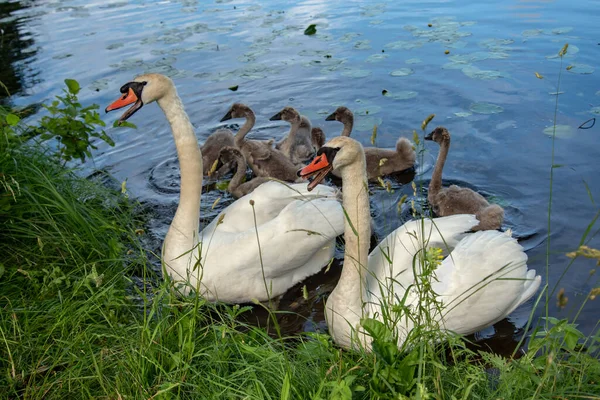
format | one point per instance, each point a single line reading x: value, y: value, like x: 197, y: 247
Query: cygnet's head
x: 288, y: 114
x: 341, y: 114
x: 439, y: 135
x: 317, y: 137
x: 237, y: 110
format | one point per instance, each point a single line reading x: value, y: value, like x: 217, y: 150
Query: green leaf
x: 73, y: 85
x: 311, y: 30
x: 12, y: 119
x: 233, y: 88
x: 123, y: 124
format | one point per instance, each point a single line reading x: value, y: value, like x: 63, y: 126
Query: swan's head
x: 342, y: 114
x: 142, y: 90
x: 317, y: 137
x: 439, y: 135
x: 305, y: 122
x: 237, y: 110
x: 338, y: 153
x: 288, y: 114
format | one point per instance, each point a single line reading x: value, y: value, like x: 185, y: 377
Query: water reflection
x: 16, y: 49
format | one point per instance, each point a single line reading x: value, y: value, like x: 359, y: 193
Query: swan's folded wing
x: 391, y: 262
x: 269, y: 199
x: 302, y: 229
x: 483, y: 280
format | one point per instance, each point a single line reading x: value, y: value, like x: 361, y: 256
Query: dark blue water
x: 484, y: 91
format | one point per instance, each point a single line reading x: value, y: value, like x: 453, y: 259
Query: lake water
x: 474, y: 67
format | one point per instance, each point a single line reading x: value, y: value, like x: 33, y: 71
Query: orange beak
x: 319, y: 168
x: 126, y: 99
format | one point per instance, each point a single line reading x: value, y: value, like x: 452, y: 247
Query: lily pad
x: 562, y: 131
x: 402, y: 72
x: 462, y: 114
x: 366, y: 123
x: 582, y: 69
x: 348, y: 37
x: 404, y: 45
x: 362, y: 45
x: 476, y: 73
x: 413, y: 61
x: 560, y: 31
x: 113, y: 46
x: 402, y: 95
x: 532, y: 32
x: 356, y: 73
x: 570, y: 53
x: 373, y: 58
x: 485, y: 108
x: 595, y: 110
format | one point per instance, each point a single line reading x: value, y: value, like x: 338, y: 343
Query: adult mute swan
x: 484, y: 278
x: 379, y: 162
x: 296, y: 230
x: 454, y: 199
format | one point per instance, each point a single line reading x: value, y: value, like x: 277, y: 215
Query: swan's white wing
x: 391, y: 262
x: 297, y: 243
x: 483, y: 280
x: 269, y: 199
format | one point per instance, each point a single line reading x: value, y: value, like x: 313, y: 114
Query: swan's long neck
x: 183, y: 232
x: 240, y: 174
x: 241, y: 134
x: 436, y: 178
x: 348, y: 124
x: 291, y: 137
x: 345, y: 304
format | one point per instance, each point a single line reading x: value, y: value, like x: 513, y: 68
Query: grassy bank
x: 75, y: 324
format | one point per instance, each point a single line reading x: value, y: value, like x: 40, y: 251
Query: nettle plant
x: 72, y: 125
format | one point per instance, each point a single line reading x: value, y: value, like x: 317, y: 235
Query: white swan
x: 296, y: 229
x: 482, y: 281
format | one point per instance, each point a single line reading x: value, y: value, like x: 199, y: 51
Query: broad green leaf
x: 12, y: 119
x: 73, y: 85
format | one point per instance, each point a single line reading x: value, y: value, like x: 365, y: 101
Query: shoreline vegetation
x: 75, y: 322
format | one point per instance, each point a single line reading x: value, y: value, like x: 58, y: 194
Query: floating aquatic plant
x: 485, y: 108
x: 402, y: 72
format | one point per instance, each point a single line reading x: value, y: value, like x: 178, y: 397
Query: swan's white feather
x: 481, y: 281
x: 296, y: 230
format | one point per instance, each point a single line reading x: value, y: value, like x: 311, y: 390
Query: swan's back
x: 391, y: 261
x: 483, y: 280
x: 269, y: 199
x: 297, y: 238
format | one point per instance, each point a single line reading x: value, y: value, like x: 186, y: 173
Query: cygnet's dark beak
x: 429, y: 136
x: 276, y: 117
x: 227, y: 116
x: 330, y: 117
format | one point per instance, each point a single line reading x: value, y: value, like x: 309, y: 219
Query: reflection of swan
x: 261, y: 157
x: 210, y: 152
x: 297, y: 144
x: 235, y: 158
x: 484, y: 278
x: 454, y: 199
x: 380, y: 162
x: 296, y: 230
